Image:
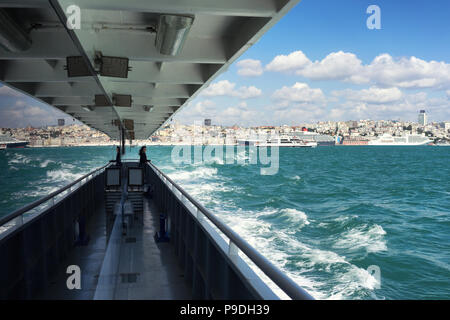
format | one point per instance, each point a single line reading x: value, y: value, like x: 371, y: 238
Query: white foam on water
x: 317, y: 256
x: 45, y: 163
x: 296, y: 178
x: 370, y: 238
x: 62, y: 175
x: 260, y: 235
x: 66, y: 165
x: 214, y: 160
x: 296, y: 216
x: 281, y: 247
x: 345, y: 218
x: 352, y: 281
x: 191, y: 176
x: 346, y: 280
x: 19, y: 159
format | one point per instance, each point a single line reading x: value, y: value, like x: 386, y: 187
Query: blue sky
x: 413, y: 34
x: 321, y: 62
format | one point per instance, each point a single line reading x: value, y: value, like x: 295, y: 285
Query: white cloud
x: 203, y: 106
x: 408, y: 72
x: 221, y: 88
x: 336, y: 66
x: 248, y: 92
x: 299, y: 93
x: 224, y: 114
x: 250, y: 68
x: 357, y: 105
x: 297, y: 104
x: 293, y: 61
x: 21, y: 113
x: 371, y: 95
x: 383, y: 71
x: 242, y: 104
x: 227, y: 88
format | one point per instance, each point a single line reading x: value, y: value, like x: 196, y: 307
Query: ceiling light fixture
x: 171, y: 33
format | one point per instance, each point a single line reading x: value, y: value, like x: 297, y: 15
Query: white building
x: 446, y: 126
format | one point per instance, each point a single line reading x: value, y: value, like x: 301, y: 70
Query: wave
x: 45, y: 163
x: 274, y: 233
x: 189, y: 176
x: 19, y: 159
x: 292, y: 217
x: 345, y: 280
x: 370, y: 238
x: 62, y: 175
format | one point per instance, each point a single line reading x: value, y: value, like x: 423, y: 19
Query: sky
x: 320, y: 62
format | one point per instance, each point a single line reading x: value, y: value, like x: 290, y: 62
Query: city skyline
x: 319, y: 63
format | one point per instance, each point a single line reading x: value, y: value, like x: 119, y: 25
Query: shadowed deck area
x: 146, y: 269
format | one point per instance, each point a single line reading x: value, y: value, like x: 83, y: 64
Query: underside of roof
x: 158, y: 84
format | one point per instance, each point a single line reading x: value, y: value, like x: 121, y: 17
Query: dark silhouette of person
x: 143, y: 161
x: 143, y: 156
x: 118, y: 157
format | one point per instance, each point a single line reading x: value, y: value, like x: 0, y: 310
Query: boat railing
x: 20, y: 216
x: 236, y: 242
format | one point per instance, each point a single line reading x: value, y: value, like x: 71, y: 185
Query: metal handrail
x: 38, y: 202
x: 290, y: 287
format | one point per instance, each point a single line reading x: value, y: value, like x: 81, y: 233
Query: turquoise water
x: 324, y: 218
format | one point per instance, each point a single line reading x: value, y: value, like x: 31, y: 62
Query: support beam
x: 141, y: 47
x: 247, y: 8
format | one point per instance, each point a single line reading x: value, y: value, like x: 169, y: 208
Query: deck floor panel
x: 153, y: 267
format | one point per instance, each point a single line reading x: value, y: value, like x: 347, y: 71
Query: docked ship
x: 128, y: 231
x: 8, y: 142
x: 284, y: 141
x: 320, y: 139
x: 406, y: 140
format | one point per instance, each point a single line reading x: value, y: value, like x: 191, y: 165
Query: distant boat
x: 406, y: 140
x: 8, y: 142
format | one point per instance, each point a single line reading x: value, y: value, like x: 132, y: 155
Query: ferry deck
x: 126, y: 68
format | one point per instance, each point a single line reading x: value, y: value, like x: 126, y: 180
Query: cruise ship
x: 8, y: 142
x: 406, y: 140
x: 129, y: 231
x: 283, y: 141
x: 320, y: 139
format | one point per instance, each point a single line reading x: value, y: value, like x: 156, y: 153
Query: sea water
x: 328, y: 217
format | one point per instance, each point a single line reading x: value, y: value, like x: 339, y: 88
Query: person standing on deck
x: 143, y: 156
x: 118, y: 157
x: 143, y: 161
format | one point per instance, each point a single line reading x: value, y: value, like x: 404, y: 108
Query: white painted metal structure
x: 159, y: 84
